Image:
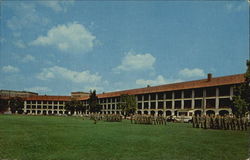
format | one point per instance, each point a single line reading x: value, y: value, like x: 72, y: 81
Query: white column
x: 192, y: 103
x: 204, y: 101
x: 182, y: 99
x: 149, y: 104
x: 217, y: 98
x: 142, y: 104
x: 36, y: 108
x: 231, y: 92
x: 156, y: 104
x: 25, y: 106
x: 172, y: 111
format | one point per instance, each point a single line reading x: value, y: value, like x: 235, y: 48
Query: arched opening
x: 38, y: 111
x: 33, y: 111
x: 50, y: 112
x: 55, y: 112
x: 152, y: 113
x: 117, y: 112
x: 223, y: 112
x: 168, y: 113
x: 145, y: 112
x: 139, y: 112
x: 197, y: 112
x: 210, y: 112
x: 108, y: 112
x: 66, y: 112
x: 160, y: 113
x: 44, y: 112
x: 113, y: 112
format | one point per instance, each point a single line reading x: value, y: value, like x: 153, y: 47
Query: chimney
x: 209, y: 77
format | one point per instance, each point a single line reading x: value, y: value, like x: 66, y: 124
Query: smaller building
x: 79, y: 94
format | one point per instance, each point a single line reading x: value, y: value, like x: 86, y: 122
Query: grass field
x: 71, y: 138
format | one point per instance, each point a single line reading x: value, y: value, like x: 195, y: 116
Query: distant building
x: 208, y: 96
x: 79, y: 94
x: 6, y: 95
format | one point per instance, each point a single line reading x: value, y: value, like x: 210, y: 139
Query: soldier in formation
x: 112, y: 118
x: 148, y: 119
x: 226, y: 122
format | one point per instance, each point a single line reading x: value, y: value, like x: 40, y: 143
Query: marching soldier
x: 198, y: 121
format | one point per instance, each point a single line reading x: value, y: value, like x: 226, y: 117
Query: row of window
x: 44, y: 107
x: 45, y: 102
x: 210, y: 103
x: 209, y: 92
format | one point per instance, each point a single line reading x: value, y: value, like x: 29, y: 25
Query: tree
x: 241, y: 99
x: 127, y: 104
x: 16, y: 104
x: 94, y: 106
x: 74, y: 106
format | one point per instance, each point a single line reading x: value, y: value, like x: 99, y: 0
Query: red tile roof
x: 49, y: 98
x: 218, y: 81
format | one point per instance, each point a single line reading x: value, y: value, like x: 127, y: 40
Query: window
x: 38, y: 102
x: 160, y: 105
x: 198, y: 103
x: 50, y: 102
x: 177, y: 104
x: 152, y: 105
x: 55, y: 107
x: 177, y: 94
x: 188, y: 94
x: 210, y: 103
x: 168, y: 95
x: 198, y: 92
x: 160, y: 96
x: 225, y: 103
x: 187, y: 104
x: 145, y: 105
x: 139, y: 105
x: 146, y: 97
x: 169, y: 104
x: 211, y: 92
x: 139, y: 97
x: 39, y: 107
x: 152, y: 96
x: 224, y: 91
x: 60, y: 102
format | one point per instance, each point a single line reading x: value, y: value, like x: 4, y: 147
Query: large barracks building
x: 208, y: 96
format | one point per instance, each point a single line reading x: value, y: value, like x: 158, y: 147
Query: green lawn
x: 71, y: 138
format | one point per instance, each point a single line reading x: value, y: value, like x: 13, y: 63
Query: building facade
x: 208, y: 96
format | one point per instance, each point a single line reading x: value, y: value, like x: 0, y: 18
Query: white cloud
x: 57, y: 5
x: 158, y: 81
x: 190, y: 73
x: 133, y: 61
x: 72, y: 37
x: 10, y: 69
x: 38, y: 89
x: 64, y: 73
x: 25, y: 16
x: 28, y: 58
x: 20, y: 44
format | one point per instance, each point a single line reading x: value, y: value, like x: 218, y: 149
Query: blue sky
x: 55, y: 47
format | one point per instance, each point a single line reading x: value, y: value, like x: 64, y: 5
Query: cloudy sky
x: 55, y: 47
